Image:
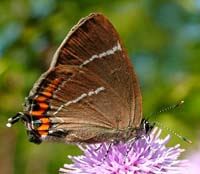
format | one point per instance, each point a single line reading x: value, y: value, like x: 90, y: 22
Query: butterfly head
x: 145, y: 128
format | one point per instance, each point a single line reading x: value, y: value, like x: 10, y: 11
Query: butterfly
x: 89, y: 94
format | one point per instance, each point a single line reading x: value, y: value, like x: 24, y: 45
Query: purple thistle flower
x: 147, y: 156
x: 194, y: 161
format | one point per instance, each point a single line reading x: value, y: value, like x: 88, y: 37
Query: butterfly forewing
x: 94, y: 44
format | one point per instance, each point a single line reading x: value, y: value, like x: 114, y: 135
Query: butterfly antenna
x: 166, y: 128
x: 169, y: 108
x: 173, y: 132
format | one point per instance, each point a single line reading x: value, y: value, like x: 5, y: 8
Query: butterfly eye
x: 147, y: 126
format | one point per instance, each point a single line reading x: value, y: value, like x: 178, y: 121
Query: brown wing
x: 86, y: 46
x: 91, y: 86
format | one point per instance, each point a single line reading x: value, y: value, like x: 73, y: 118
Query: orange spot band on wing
x: 49, y: 88
x: 41, y: 132
x: 37, y: 113
x: 43, y: 105
x: 45, y: 120
x: 43, y: 127
x: 41, y: 98
x: 54, y: 84
x: 47, y: 93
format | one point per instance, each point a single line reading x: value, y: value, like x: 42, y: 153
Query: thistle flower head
x: 194, y: 161
x: 146, y: 156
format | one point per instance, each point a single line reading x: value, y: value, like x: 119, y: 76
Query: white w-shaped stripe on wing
x: 92, y: 92
x: 104, y: 54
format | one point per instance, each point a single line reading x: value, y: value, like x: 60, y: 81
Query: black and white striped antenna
x: 167, y: 128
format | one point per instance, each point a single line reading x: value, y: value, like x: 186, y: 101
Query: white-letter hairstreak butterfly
x: 89, y: 94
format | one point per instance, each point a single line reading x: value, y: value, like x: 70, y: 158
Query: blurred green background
x: 161, y: 37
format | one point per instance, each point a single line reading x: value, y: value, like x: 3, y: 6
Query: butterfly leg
x: 129, y: 147
x: 99, y: 147
x: 107, y: 151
